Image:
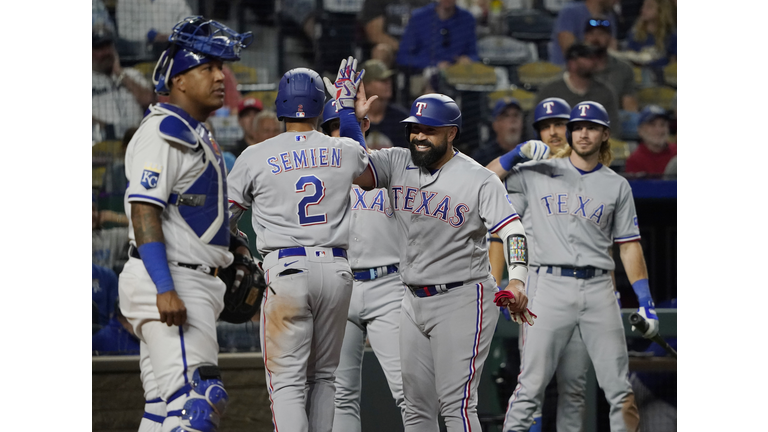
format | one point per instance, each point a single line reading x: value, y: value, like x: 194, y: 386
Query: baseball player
x: 445, y: 203
x: 374, y: 311
x: 550, y: 118
x: 297, y: 185
x: 177, y: 204
x: 579, y: 207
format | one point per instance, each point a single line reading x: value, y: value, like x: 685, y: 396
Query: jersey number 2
x: 301, y: 186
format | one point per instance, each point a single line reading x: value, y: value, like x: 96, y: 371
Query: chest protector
x: 203, y: 204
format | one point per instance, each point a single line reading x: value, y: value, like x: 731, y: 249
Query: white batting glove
x: 524, y: 317
x: 653, y: 321
x: 344, y: 90
x: 535, y: 150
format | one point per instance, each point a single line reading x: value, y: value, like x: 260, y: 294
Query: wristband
x: 643, y: 293
x: 155, y: 260
x: 507, y: 160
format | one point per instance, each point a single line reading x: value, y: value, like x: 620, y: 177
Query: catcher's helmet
x: 588, y: 111
x: 301, y: 94
x: 433, y: 109
x: 195, y: 41
x: 550, y: 108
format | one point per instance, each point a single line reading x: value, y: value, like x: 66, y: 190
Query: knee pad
x: 205, y: 404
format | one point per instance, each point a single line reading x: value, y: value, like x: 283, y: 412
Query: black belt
x: 213, y: 271
x: 300, y: 251
x: 430, y: 290
x: 577, y: 272
x: 373, y: 273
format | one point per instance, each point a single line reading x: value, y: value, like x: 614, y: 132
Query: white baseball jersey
x: 374, y: 237
x: 300, y: 174
x: 578, y: 217
x: 426, y: 204
x: 160, y: 166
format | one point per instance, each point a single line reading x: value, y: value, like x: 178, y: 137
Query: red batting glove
x: 502, y: 297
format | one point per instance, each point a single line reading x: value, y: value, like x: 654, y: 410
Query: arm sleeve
x: 349, y: 127
x: 625, y: 227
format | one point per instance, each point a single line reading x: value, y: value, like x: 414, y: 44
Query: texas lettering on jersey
x: 374, y: 200
x: 415, y: 201
x: 584, y: 207
x: 305, y: 158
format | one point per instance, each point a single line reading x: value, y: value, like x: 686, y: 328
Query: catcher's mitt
x: 242, y: 302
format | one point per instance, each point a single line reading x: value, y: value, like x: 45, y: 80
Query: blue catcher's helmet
x: 550, y: 108
x: 195, y: 41
x: 588, y: 111
x: 301, y: 94
x: 436, y: 110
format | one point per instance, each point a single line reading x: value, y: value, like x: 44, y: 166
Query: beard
x: 586, y: 154
x: 427, y: 158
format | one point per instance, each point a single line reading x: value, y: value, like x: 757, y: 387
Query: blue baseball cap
x: 503, y: 103
x: 651, y: 113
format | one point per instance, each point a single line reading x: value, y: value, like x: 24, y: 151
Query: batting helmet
x: 433, y: 109
x: 550, y: 108
x: 588, y: 111
x: 195, y: 41
x: 329, y: 113
x: 301, y: 94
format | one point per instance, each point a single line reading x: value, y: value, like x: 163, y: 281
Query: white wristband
x: 519, y: 272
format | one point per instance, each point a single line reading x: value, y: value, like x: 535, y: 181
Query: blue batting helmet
x: 329, y: 113
x: 301, y: 94
x: 195, y: 41
x: 550, y: 108
x: 588, y: 111
x: 433, y: 109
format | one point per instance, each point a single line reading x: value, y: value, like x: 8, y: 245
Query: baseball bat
x: 641, y: 324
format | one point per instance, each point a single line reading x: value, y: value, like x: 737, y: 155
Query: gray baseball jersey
x: 443, y: 221
x: 374, y: 237
x: 578, y: 217
x: 302, y: 175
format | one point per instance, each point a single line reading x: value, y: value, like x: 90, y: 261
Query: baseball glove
x: 242, y: 300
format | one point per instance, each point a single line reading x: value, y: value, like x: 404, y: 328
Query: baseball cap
x: 652, y: 112
x: 595, y: 23
x: 376, y: 70
x: 579, y: 50
x: 503, y: 103
x: 101, y: 36
x: 249, y: 103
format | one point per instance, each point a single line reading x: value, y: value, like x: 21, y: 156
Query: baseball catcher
x: 245, y: 284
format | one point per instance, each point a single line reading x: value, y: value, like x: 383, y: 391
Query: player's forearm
x: 497, y: 169
x: 147, y: 225
x: 496, y: 256
x: 634, y: 262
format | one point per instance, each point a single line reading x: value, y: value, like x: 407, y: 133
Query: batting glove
x: 653, y: 321
x: 524, y: 317
x: 345, y: 88
x: 535, y: 150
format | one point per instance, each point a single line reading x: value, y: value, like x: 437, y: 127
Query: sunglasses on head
x: 599, y: 23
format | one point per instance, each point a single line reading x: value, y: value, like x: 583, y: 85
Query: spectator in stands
x: 570, y: 24
x: 578, y: 84
x: 100, y: 17
x: 246, y: 111
x: 265, y: 126
x: 114, y: 183
x: 616, y: 73
x: 109, y: 246
x: 508, y: 129
x: 385, y: 115
x: 149, y: 21
x: 439, y: 34
x: 654, y: 33
x: 116, y: 337
x: 654, y: 152
x: 104, y: 287
x: 119, y: 95
x: 384, y: 23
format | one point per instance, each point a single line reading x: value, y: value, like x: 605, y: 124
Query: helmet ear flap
x: 568, y: 137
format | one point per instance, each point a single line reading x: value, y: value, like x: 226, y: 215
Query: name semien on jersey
x: 320, y: 157
x: 415, y: 201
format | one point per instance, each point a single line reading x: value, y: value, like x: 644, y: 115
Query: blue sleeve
x: 568, y: 21
x: 408, y: 53
x: 672, y: 45
x: 349, y: 127
x: 472, y: 38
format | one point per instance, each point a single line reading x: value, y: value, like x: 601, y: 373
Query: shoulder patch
x: 174, y: 129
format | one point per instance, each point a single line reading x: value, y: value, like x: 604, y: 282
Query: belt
x: 430, y: 290
x: 213, y: 271
x: 576, y: 272
x: 373, y: 273
x: 300, y: 251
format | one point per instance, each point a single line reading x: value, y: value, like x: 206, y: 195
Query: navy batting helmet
x: 588, y: 111
x: 433, y: 109
x: 329, y: 113
x: 195, y: 41
x: 550, y: 108
x: 301, y: 94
